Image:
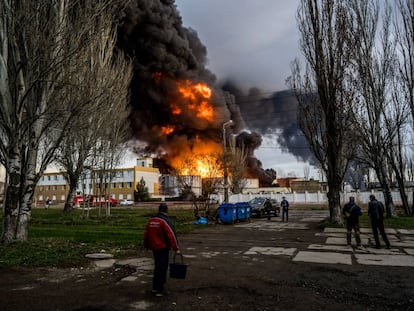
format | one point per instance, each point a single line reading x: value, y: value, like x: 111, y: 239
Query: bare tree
x: 40, y: 42
x: 355, y: 174
x: 324, y: 96
x: 105, y: 83
x: 404, y: 30
x: 380, y: 117
x: 238, y: 168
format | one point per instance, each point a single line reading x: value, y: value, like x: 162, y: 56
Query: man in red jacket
x: 160, y: 237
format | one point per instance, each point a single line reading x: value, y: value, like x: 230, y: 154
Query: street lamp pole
x: 225, y: 183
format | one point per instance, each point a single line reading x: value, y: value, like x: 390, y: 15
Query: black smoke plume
x: 164, y: 52
x: 273, y: 115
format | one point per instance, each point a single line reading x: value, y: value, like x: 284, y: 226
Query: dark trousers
x: 378, y: 225
x: 353, y: 226
x: 285, y: 212
x: 160, y: 269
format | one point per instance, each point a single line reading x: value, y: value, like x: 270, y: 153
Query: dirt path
x: 257, y: 265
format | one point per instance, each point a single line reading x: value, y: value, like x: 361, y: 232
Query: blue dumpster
x: 243, y: 211
x: 227, y: 213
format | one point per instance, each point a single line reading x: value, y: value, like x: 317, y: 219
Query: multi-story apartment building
x: 120, y: 186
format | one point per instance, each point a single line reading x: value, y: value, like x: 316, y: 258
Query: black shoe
x: 388, y: 246
x: 377, y: 246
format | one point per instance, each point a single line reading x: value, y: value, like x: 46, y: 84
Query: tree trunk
x: 386, y: 190
x: 12, y: 203
x: 334, y: 201
x: 71, y: 194
x: 404, y: 197
x: 29, y: 181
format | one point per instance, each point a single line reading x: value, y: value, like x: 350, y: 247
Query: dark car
x: 260, y: 207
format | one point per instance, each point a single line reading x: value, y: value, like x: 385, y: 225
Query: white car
x: 126, y: 202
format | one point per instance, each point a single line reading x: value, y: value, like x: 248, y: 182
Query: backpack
x: 348, y: 211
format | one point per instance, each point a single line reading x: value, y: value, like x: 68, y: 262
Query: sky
x: 253, y: 43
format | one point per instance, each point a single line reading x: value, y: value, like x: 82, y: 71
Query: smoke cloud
x: 273, y: 115
x: 165, y: 53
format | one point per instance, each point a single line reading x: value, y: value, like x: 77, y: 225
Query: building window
x: 48, y: 187
x: 114, y: 185
x: 64, y: 187
x: 56, y: 177
x: 143, y: 163
x: 40, y: 188
x: 130, y: 185
x: 121, y: 185
x: 62, y: 197
x: 54, y: 187
x: 48, y: 177
x: 40, y: 197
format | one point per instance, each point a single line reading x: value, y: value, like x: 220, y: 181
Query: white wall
x: 362, y: 198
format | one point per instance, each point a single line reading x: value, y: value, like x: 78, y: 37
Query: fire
x: 202, y: 160
x: 167, y: 129
x: 205, y: 111
x: 175, y: 109
x: 198, y: 97
x: 202, y: 168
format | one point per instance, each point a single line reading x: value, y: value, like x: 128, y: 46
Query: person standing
x: 47, y: 203
x: 351, y: 213
x: 285, y: 209
x: 376, y: 213
x: 160, y: 237
x: 268, y: 208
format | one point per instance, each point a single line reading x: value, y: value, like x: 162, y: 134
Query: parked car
x: 258, y: 207
x: 126, y: 202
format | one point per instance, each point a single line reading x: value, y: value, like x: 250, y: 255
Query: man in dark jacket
x: 268, y: 208
x: 376, y: 213
x: 285, y: 209
x: 160, y: 237
x: 351, y: 213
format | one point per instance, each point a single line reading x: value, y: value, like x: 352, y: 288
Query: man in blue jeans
x: 285, y: 209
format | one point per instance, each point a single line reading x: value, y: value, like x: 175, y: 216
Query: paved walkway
x: 333, y: 251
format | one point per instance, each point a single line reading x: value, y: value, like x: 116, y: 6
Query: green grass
x: 63, y: 239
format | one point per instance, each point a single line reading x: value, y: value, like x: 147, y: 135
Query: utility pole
x: 225, y: 182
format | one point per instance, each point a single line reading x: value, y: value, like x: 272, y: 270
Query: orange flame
x: 201, y: 160
x: 175, y: 109
x: 167, y: 129
x: 198, y: 96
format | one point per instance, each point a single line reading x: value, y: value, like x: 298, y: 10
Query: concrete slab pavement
x: 333, y: 251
